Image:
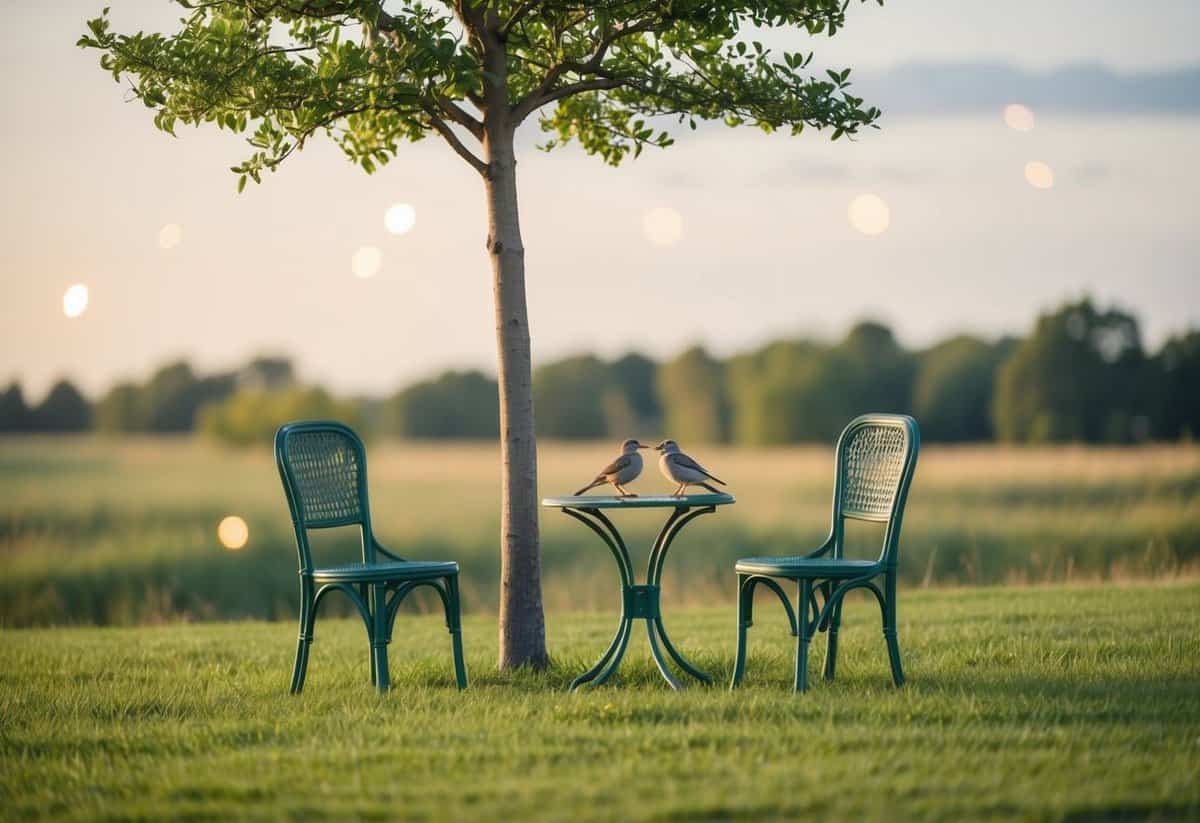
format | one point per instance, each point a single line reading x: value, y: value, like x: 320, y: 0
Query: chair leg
x: 743, y: 623
x: 831, y: 644
x: 307, y: 617
x: 806, y: 629
x: 889, y: 630
x: 365, y: 592
x: 454, y: 624
x: 379, y: 636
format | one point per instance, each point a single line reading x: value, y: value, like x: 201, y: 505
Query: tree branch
x: 518, y: 13
x: 596, y: 84
x: 546, y: 93
x: 450, y: 137
x: 459, y: 115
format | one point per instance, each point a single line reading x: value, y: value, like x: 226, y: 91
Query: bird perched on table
x: 624, y: 469
x: 679, y: 468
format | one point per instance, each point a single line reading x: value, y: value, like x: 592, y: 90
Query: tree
x: 695, y: 398
x: 1081, y: 376
x: 267, y: 374
x: 879, y: 371
x: 952, y: 396
x: 121, y: 410
x: 64, y: 409
x: 637, y: 377
x: 455, y: 404
x: 799, y: 390
x: 14, y: 414
x: 1178, y: 367
x: 570, y: 396
x: 471, y: 71
x: 251, y: 416
x: 174, y: 395
x: 772, y: 391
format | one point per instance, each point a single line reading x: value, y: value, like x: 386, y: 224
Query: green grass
x: 124, y: 531
x: 1043, y: 703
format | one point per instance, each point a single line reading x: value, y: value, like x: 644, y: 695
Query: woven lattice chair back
x: 874, y: 457
x: 324, y: 465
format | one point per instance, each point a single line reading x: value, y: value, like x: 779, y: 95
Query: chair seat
x: 391, y: 570
x: 800, y: 566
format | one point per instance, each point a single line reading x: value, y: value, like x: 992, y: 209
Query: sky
x: 729, y: 238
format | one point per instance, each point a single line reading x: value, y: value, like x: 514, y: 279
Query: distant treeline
x: 1082, y: 375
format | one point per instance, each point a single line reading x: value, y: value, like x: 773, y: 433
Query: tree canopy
x: 282, y: 71
x: 1079, y: 377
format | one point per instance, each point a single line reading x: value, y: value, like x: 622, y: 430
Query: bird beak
x: 658, y: 448
x: 644, y: 446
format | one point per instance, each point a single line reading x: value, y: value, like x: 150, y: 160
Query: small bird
x: 624, y: 469
x: 679, y: 468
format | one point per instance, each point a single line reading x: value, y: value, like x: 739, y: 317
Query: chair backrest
x: 323, y: 466
x: 876, y: 457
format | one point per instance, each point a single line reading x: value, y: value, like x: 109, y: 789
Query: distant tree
x: 174, y: 395
x: 14, y: 414
x: 571, y: 397
x: 1177, y: 371
x: 471, y: 71
x: 267, y: 374
x: 793, y: 391
x: 952, y: 396
x: 772, y: 392
x: 452, y: 405
x: 1081, y: 376
x: 636, y: 376
x: 64, y: 409
x: 879, y: 370
x: 251, y: 417
x: 121, y: 410
x: 695, y: 398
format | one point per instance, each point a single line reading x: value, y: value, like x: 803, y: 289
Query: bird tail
x: 597, y: 482
x: 716, y: 479
x: 712, y: 489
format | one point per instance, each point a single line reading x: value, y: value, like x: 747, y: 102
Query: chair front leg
x: 834, y: 620
x: 379, y: 639
x: 744, y: 606
x: 800, y: 684
x: 307, y: 618
x: 454, y: 624
x: 889, y: 628
x: 365, y: 592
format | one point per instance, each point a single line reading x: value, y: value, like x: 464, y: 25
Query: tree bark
x: 522, y: 621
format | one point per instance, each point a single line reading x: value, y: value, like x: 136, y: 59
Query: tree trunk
x: 522, y: 622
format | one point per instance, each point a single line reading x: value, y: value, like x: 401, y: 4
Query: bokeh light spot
x: 869, y: 214
x: 75, y: 300
x: 400, y: 218
x: 366, y: 261
x: 1018, y: 117
x: 662, y: 226
x: 170, y: 236
x: 233, y: 532
x: 1039, y: 175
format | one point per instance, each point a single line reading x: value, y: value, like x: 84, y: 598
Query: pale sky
x: 764, y: 246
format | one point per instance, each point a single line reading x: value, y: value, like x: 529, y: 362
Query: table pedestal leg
x: 609, y: 661
x: 639, y: 602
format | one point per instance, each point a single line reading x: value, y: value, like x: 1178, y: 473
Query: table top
x: 657, y: 501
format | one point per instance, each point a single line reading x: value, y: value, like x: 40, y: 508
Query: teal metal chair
x: 876, y: 458
x: 323, y: 467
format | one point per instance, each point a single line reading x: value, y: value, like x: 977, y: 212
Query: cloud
x: 963, y: 88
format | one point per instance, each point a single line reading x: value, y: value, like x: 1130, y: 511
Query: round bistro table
x: 639, y: 601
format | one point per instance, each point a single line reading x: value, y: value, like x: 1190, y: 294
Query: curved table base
x: 639, y: 601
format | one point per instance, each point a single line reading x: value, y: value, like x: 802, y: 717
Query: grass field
x: 120, y: 532
x: 1070, y: 702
